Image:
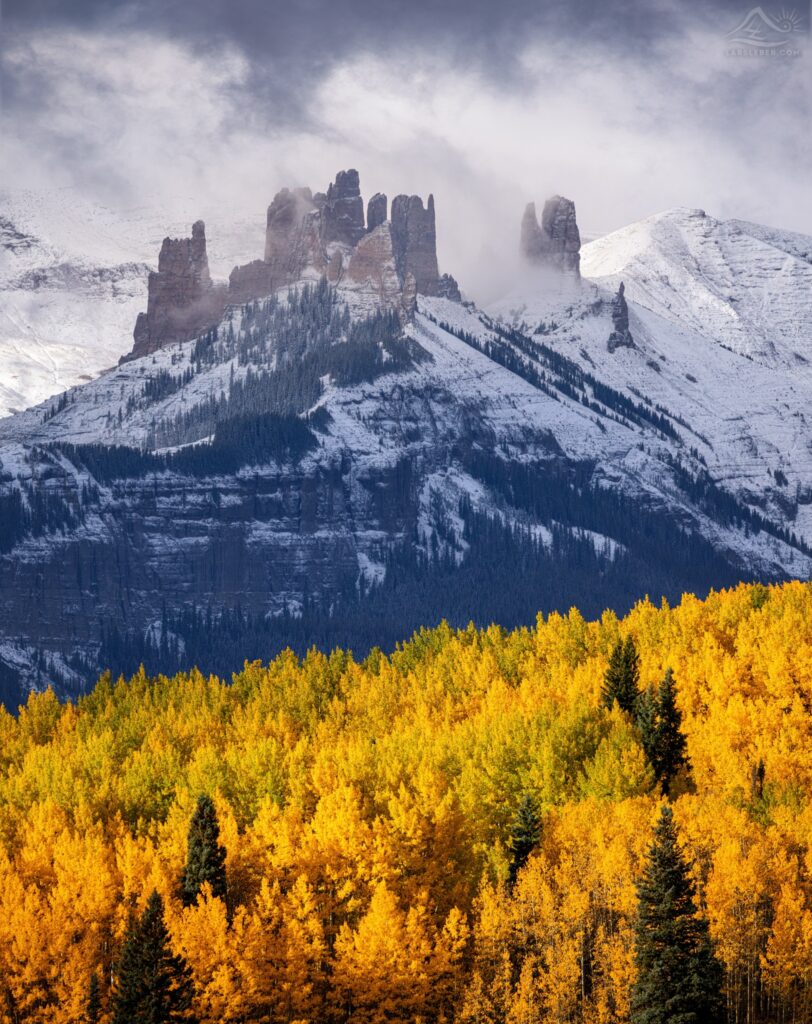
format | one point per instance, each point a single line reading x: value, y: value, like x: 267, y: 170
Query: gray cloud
x: 628, y: 107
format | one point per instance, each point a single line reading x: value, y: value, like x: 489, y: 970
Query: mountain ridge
x: 314, y: 469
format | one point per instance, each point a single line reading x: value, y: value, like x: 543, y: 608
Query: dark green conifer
x: 93, y: 1008
x: 669, y: 742
x: 153, y: 985
x: 679, y: 979
x: 621, y: 681
x: 206, y: 858
x: 525, y: 833
x: 646, y: 720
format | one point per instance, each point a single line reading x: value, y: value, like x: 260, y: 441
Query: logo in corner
x: 763, y: 33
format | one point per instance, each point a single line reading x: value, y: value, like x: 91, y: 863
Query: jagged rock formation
x: 182, y: 299
x: 415, y: 241
x: 307, y: 235
x: 621, y: 335
x: 376, y: 211
x: 556, y: 242
x: 342, y: 215
x: 447, y: 288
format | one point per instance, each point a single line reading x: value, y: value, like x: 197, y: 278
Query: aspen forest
x: 470, y: 830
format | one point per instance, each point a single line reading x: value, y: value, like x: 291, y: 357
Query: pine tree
x: 669, y: 742
x: 93, y: 1008
x: 646, y: 721
x: 525, y: 833
x: 620, y: 683
x: 206, y: 858
x: 679, y: 979
x: 153, y: 985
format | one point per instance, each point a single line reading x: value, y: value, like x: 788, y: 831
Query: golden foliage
x: 366, y: 811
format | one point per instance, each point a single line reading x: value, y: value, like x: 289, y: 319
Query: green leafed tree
x: 206, y: 857
x: 679, y: 979
x: 153, y: 985
x: 525, y: 833
x: 621, y: 682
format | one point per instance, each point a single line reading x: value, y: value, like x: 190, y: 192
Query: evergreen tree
x: 153, y: 985
x: 646, y: 720
x: 93, y: 1008
x: 620, y: 683
x: 525, y: 833
x: 206, y: 858
x: 679, y: 979
x: 669, y: 742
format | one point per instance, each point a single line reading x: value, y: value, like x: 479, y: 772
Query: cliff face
x: 556, y: 242
x: 307, y: 235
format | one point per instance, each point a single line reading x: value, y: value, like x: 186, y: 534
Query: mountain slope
x: 747, y: 287
x: 227, y: 496
x: 324, y: 467
x: 73, y: 277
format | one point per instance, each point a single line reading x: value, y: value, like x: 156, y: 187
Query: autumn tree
x: 621, y: 681
x: 525, y: 832
x: 153, y: 985
x: 206, y: 857
x: 679, y: 979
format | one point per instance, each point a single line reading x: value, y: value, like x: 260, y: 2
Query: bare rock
x: 621, y: 336
x: 373, y: 265
x: 342, y: 214
x: 415, y: 241
x: 408, y: 298
x: 448, y: 288
x: 250, y: 281
x: 376, y: 211
x: 283, y: 229
x: 182, y: 301
x: 556, y: 242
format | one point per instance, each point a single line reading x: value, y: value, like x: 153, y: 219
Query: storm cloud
x: 629, y: 108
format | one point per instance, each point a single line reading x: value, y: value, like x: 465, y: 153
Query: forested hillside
x: 458, y: 832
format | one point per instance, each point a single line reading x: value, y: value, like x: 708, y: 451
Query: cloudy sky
x: 627, y: 107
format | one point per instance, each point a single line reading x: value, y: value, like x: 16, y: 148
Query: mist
x: 129, y: 115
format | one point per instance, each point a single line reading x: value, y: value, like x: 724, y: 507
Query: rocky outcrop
x: 182, y: 301
x: 307, y: 235
x: 376, y: 211
x: 621, y: 335
x: 415, y: 241
x: 342, y: 215
x: 373, y: 261
x: 448, y: 288
x: 556, y: 242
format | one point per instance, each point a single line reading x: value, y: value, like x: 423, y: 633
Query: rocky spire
x: 376, y: 211
x: 342, y: 215
x: 415, y: 241
x: 306, y: 234
x: 181, y: 299
x: 556, y: 242
x: 621, y: 335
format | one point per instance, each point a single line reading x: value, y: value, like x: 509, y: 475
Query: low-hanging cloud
x: 130, y: 111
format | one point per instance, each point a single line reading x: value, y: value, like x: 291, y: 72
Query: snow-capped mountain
x: 321, y: 466
x: 73, y: 277
x: 745, y: 287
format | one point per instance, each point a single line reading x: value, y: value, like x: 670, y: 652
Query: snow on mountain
x: 73, y: 278
x: 679, y: 456
x: 745, y: 287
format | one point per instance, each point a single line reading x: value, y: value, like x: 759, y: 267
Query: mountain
x: 334, y: 448
x: 73, y: 276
